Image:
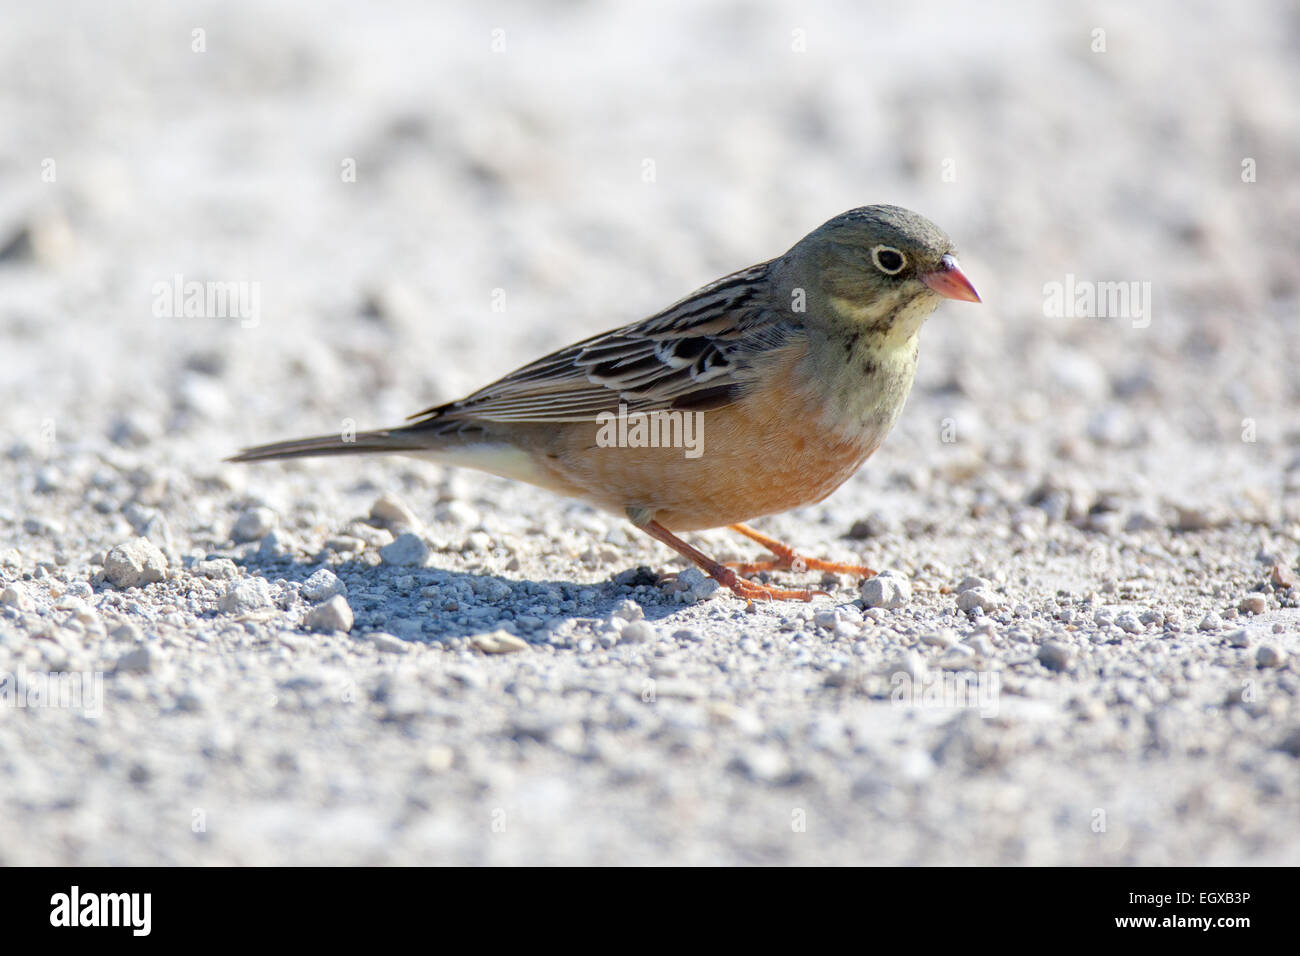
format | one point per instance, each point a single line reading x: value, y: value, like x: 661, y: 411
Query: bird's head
x: 878, y: 268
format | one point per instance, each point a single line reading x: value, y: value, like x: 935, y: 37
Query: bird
x: 760, y: 392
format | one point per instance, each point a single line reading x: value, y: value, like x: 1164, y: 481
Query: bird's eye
x: 888, y: 260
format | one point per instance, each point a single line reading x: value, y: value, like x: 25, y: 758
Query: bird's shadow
x: 427, y: 604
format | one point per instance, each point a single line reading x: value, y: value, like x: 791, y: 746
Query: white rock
x: 637, y: 632
x: 254, y: 524
x: 693, y: 585
x: 626, y: 610
x: 1128, y: 621
x: 456, y: 513
x: 391, y: 512
x: 978, y: 598
x: 498, y: 642
x: 387, y: 643
x: 138, y: 660
x: 323, y: 585
x: 250, y: 594
x: 1269, y: 656
x: 406, y: 550
x: 333, y: 615
x: 888, y: 590
x: 135, y: 563
x: 16, y: 596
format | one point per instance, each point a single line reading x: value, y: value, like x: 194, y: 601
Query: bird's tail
x: 395, y: 440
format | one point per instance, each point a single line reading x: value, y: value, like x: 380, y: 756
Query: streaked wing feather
x: 694, y: 354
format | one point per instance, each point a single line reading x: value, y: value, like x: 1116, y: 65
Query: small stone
x: 970, y: 583
x: 1141, y: 520
x: 387, y: 643
x: 1211, y: 622
x: 1283, y: 577
x: 127, y: 633
x: 243, y: 597
x: 1253, y: 604
x: 479, y: 542
x: 344, y: 544
x: 333, y: 615
x: 139, y: 660
x: 1128, y: 621
x: 888, y: 589
x: 137, y: 562
x: 637, y: 632
x: 372, y: 537
x: 941, y: 639
x: 1055, y: 656
x: 48, y: 480
x: 1238, y: 638
x: 391, y: 512
x: 456, y: 512
x: 16, y: 596
x: 911, y: 664
x: 407, y: 550
x: 762, y: 762
x: 42, y: 527
x: 276, y: 544
x: 498, y: 642
x: 217, y: 569
x: 1290, y: 744
x: 439, y: 758
x: 254, y: 524
x: 1195, y: 518
x: 693, y: 585
x: 1269, y: 656
x: 979, y: 598
x: 323, y: 585
x: 627, y: 610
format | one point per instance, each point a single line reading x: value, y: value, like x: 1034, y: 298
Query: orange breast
x: 763, y: 455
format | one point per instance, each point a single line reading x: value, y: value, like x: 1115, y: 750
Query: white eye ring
x: 875, y: 260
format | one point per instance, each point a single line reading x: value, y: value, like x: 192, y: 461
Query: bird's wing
x: 693, y: 355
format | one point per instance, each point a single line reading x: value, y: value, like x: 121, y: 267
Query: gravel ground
x: 1087, y: 652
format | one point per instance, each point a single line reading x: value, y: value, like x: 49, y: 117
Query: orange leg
x: 788, y: 560
x: 749, y: 590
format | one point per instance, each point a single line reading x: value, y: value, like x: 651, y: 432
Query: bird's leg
x: 787, y: 559
x: 724, y: 575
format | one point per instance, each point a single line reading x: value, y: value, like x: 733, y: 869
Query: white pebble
x: 322, y: 585
x: 888, y: 589
x: 254, y: 524
x: 978, y: 599
x: 406, y: 550
x: 135, y: 563
x: 333, y: 615
x: 391, y: 512
x: 250, y: 594
x: 498, y: 642
x: 16, y: 596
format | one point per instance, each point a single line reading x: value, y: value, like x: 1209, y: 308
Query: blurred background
x: 426, y: 198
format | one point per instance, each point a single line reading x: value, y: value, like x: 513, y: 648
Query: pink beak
x: 949, y: 281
